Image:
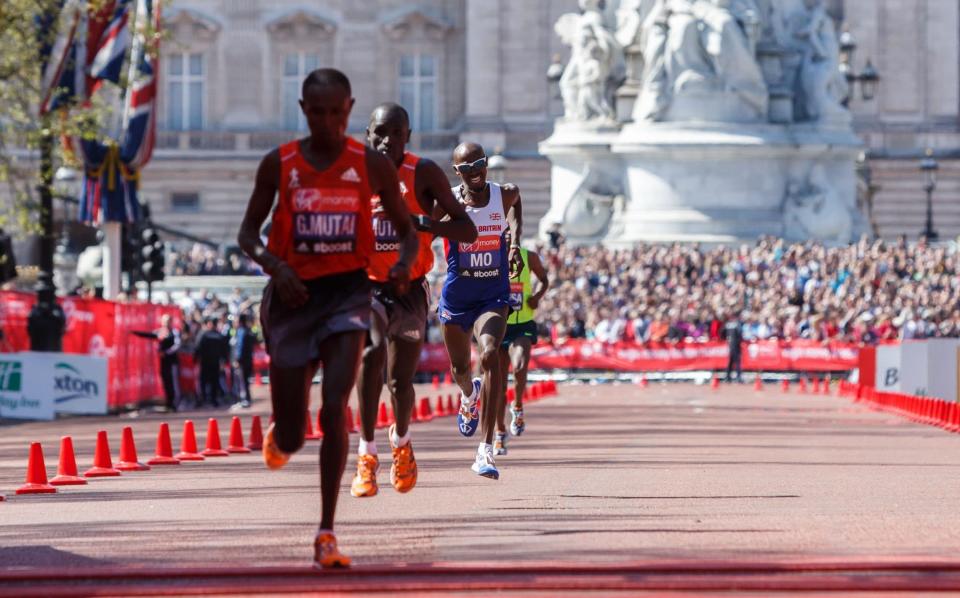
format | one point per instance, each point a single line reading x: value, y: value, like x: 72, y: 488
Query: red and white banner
x: 101, y: 328
x: 801, y: 355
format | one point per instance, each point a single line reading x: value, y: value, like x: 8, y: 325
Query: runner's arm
x: 433, y: 186
x: 543, y: 281
x: 384, y: 182
x: 290, y: 287
x: 514, y: 209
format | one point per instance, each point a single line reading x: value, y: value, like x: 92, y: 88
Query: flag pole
x: 46, y: 321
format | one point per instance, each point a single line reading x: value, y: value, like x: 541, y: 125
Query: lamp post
x: 929, y: 167
x: 868, y: 78
x: 867, y: 189
x: 46, y: 321
x: 497, y: 166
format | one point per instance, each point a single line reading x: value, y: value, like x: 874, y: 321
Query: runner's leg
x: 340, y: 355
x: 457, y: 341
x: 489, y: 330
x: 402, y: 360
x: 370, y: 380
x: 520, y: 359
x: 504, y: 376
x: 289, y: 394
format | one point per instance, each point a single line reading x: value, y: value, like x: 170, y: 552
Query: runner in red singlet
x: 399, y: 321
x: 316, y: 307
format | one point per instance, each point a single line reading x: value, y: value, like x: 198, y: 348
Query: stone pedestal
x: 709, y: 183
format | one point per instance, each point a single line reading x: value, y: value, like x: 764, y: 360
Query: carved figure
x: 592, y: 206
x: 700, y: 47
x: 812, y: 211
x: 595, y: 67
x: 821, y: 87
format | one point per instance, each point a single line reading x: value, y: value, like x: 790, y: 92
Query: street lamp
x: 46, y: 321
x: 866, y: 189
x: 869, y: 78
x: 929, y: 167
x: 497, y: 166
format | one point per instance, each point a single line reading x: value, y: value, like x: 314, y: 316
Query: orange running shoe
x: 326, y: 555
x: 403, y: 472
x: 273, y: 457
x: 365, y: 482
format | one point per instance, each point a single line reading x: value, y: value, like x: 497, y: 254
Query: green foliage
x: 21, y: 128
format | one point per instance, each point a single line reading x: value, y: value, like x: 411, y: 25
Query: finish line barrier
x: 104, y: 329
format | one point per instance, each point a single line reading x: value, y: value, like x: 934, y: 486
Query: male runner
x: 398, y: 322
x: 316, y: 308
x: 476, y: 295
x: 520, y: 337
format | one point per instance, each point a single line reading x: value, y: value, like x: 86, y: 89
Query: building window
x: 418, y: 90
x: 185, y: 202
x: 185, y: 91
x: 296, y: 67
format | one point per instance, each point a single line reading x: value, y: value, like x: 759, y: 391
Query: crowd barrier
x: 931, y: 411
x: 104, y: 329
x: 575, y: 354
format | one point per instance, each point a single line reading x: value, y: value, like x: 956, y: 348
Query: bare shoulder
x: 510, y: 190
x: 431, y: 171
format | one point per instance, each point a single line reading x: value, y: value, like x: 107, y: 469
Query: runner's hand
x: 400, y: 278
x: 516, y: 261
x: 292, y: 290
x: 533, y: 301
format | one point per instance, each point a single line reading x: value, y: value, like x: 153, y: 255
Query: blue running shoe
x: 468, y: 421
x: 485, y: 466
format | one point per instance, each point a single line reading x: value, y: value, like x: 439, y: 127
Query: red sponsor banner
x: 801, y: 355
x: 103, y: 328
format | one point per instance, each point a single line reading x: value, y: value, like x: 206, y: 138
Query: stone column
x: 484, y: 83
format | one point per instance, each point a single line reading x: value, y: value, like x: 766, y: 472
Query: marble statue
x: 595, y: 67
x: 700, y: 48
x: 821, y: 87
x: 812, y: 211
x: 592, y: 207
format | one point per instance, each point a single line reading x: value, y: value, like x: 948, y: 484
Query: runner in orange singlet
x: 316, y: 307
x: 399, y: 321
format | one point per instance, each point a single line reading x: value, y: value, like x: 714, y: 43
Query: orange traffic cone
x: 436, y: 381
x: 257, y: 378
x: 128, y: 453
x: 816, y: 386
x: 785, y: 385
x: 425, y: 414
x: 164, y: 452
x: 102, y: 464
x: 310, y: 434
x: 236, y: 437
x: 188, y: 444
x: 67, y: 469
x: 382, y: 419
x: 803, y: 385
x: 213, y: 448
x: 451, y: 410
x: 439, y: 411
x: 714, y: 382
x: 758, y: 383
x: 643, y: 381
x: 256, y: 434
x: 446, y: 378
x: 511, y: 394
x: 826, y: 385
x: 36, y: 482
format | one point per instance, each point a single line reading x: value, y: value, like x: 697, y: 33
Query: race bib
x: 325, y: 221
x: 516, y: 296
x: 481, y: 259
x: 385, y: 235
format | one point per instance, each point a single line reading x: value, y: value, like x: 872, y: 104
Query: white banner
x: 36, y: 385
x: 14, y: 403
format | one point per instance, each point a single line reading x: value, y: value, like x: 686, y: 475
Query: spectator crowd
x: 865, y: 292
x: 861, y: 293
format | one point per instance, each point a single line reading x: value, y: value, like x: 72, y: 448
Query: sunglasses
x: 471, y: 166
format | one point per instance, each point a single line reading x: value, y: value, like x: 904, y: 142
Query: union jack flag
x: 57, y: 29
